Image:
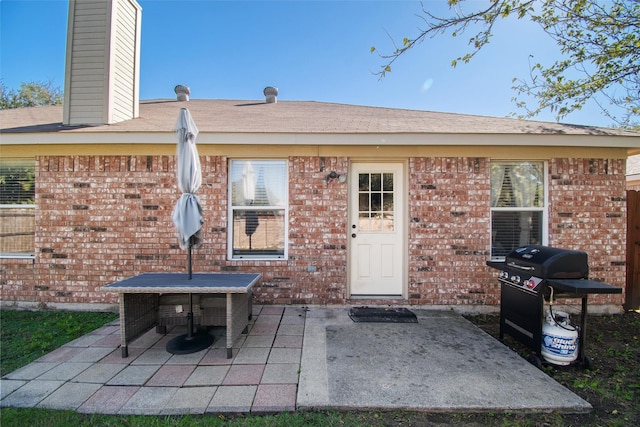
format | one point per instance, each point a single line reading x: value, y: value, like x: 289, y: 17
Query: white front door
x: 376, y: 229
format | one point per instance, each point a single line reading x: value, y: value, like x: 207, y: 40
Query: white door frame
x: 398, y: 285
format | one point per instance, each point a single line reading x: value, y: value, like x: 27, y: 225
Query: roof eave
x: 632, y: 143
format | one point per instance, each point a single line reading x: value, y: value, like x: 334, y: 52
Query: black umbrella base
x: 185, y: 344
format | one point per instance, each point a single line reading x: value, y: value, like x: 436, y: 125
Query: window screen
x: 258, y: 203
x: 517, y: 205
x: 17, y: 207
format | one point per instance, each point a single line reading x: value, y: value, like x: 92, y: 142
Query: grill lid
x: 549, y: 263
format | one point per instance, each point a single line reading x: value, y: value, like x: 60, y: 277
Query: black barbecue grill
x: 528, y: 276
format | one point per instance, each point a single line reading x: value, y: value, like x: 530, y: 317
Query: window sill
x: 257, y: 258
x: 9, y: 255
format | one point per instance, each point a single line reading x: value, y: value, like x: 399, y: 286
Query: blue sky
x: 310, y: 50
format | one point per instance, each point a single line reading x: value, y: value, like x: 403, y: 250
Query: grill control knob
x: 515, y: 279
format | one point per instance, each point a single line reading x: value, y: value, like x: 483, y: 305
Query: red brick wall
x: 100, y: 219
x: 449, y: 231
x: 588, y: 207
x: 17, y: 283
x: 317, y: 224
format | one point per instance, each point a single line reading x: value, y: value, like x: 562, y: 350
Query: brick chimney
x: 102, y: 70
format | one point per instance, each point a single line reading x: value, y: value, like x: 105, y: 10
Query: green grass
x: 50, y: 418
x: 27, y: 335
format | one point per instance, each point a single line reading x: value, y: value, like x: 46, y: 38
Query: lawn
x: 612, y: 387
x: 28, y: 335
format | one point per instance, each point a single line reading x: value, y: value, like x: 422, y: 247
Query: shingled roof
x: 299, y: 117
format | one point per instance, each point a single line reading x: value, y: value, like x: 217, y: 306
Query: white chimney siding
x: 103, y: 62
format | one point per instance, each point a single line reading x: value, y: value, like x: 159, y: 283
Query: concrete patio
x: 293, y: 358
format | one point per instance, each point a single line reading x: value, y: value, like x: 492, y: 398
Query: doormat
x: 382, y: 315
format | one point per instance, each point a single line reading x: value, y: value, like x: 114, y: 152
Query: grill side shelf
x: 582, y: 286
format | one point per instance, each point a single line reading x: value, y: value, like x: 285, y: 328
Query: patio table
x: 139, y: 300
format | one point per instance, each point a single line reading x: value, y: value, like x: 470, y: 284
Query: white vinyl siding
x: 124, y: 63
x: 102, y: 62
x: 86, y: 85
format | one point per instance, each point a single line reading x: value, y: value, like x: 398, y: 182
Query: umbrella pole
x: 189, y: 342
x: 190, y: 317
x: 190, y: 314
x: 189, y: 262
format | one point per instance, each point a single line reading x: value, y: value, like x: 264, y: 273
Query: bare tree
x: 599, y: 41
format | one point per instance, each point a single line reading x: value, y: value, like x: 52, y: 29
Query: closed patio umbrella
x: 187, y: 217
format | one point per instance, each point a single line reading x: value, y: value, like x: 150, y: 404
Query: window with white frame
x: 258, y: 209
x: 518, y: 206
x: 17, y: 208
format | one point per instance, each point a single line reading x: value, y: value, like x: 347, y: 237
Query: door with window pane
x: 376, y: 229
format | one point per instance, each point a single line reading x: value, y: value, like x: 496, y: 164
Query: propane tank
x: 559, y: 339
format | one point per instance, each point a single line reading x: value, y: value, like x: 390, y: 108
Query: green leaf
x: 373, y: 49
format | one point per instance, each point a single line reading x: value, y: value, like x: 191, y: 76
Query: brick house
x: 347, y: 204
